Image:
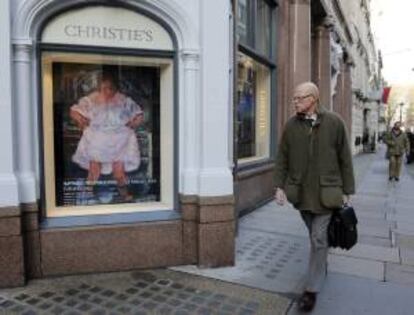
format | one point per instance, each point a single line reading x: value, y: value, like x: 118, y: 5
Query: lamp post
x: 401, y: 106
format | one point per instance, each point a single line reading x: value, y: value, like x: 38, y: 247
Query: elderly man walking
x: 397, y: 144
x: 314, y: 172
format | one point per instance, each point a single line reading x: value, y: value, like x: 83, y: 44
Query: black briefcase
x: 342, y: 229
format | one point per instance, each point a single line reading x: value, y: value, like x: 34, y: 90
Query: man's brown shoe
x: 307, y: 301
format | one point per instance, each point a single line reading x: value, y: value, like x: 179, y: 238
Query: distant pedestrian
x: 410, y: 156
x: 397, y: 144
x: 314, y: 172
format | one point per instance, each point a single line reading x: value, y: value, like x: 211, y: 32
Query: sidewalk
x: 375, y: 277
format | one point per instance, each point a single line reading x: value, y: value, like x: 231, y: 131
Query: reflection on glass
x: 243, y: 22
x: 263, y: 25
x: 106, y: 133
x: 253, y: 110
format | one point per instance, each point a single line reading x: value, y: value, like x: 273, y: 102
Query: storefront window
x: 255, y: 25
x: 253, y: 112
x: 107, y: 113
x: 103, y: 127
x: 255, y: 68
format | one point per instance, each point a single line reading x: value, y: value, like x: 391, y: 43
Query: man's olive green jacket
x: 397, y: 143
x: 314, y: 163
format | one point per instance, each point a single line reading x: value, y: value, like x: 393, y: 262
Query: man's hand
x: 280, y: 197
x: 346, y: 199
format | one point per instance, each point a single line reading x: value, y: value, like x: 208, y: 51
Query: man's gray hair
x: 310, y: 88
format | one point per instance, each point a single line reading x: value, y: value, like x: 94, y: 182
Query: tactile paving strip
x: 264, y: 260
x: 144, y: 293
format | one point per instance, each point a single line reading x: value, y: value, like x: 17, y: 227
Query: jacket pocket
x: 293, y: 189
x: 331, y: 191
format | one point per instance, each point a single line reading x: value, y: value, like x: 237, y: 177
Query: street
x: 375, y: 277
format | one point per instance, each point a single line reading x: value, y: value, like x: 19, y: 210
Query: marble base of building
x: 11, y: 248
x: 204, y: 235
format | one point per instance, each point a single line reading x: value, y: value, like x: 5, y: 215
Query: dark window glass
x: 263, y: 28
x: 253, y: 109
x: 244, y: 22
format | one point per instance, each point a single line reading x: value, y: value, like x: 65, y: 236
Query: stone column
x: 342, y: 103
x: 215, y: 170
x: 283, y: 85
x: 338, y: 97
x: 11, y: 242
x: 190, y: 143
x: 190, y: 139
x: 208, y: 230
x: 322, y: 62
x: 23, y: 121
x: 347, y: 94
x: 300, y: 44
x: 215, y: 217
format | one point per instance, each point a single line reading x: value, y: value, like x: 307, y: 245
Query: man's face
x: 397, y: 126
x: 303, y: 101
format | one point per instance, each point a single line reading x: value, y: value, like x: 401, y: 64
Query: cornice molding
x: 31, y: 14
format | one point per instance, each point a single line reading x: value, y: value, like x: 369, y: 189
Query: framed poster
x: 102, y: 123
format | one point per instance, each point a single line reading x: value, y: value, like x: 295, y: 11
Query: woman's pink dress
x: 107, y: 139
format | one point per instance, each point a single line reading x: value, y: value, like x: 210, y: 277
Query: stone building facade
x: 210, y: 83
x: 367, y: 82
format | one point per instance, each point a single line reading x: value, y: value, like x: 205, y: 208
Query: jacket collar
x: 320, y: 112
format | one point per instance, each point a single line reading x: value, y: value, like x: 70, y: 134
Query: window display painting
x: 106, y: 133
x: 246, y: 112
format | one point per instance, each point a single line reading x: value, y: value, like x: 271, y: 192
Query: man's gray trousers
x: 317, y: 225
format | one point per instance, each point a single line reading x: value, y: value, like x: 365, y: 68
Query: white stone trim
x: 190, y: 123
x: 23, y: 122
x: 31, y: 13
x: 8, y: 181
x: 215, y: 173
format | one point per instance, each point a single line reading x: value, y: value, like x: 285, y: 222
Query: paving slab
x: 373, y: 240
x: 404, y: 208
x: 405, y: 197
x: 374, y: 231
x: 370, y: 252
x: 397, y: 273
x: 273, y: 221
x: 405, y: 225
x: 407, y: 256
x: 357, y: 267
x: 404, y: 241
x: 348, y: 295
x: 369, y: 208
x: 404, y: 228
x: 370, y: 215
x: 379, y: 223
x: 368, y: 198
x: 293, y: 230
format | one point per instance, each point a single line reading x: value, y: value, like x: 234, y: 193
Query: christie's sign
x: 107, y: 27
x: 109, y: 33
